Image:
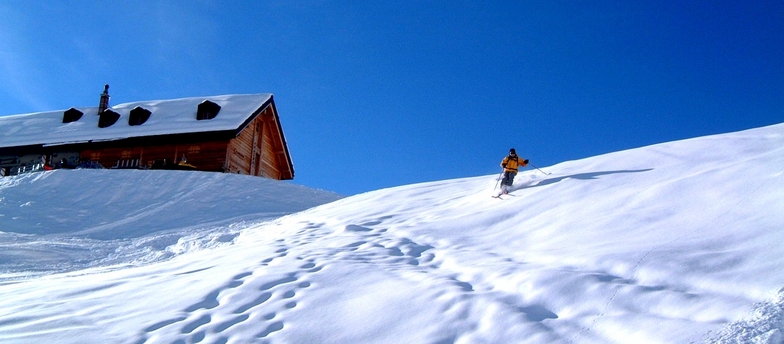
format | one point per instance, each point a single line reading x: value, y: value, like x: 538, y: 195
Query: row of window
x: 206, y: 110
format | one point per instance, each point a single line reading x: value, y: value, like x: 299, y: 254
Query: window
x: 108, y: 118
x: 138, y: 116
x: 207, y: 110
x: 72, y: 115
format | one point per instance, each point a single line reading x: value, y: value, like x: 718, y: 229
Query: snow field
x: 672, y: 243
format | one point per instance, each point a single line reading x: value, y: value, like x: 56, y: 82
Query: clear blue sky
x: 374, y: 94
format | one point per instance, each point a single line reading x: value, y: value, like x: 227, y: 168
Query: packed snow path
x: 672, y: 243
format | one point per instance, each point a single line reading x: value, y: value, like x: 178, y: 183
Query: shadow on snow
x: 581, y: 176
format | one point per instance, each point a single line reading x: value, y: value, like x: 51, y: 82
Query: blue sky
x: 376, y: 94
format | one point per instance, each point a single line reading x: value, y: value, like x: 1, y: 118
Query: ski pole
x: 497, y: 180
x: 534, y: 166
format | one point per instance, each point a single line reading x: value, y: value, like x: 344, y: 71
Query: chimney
x: 104, y: 104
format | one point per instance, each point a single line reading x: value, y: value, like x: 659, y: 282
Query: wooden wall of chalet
x: 206, y: 155
x: 255, y: 151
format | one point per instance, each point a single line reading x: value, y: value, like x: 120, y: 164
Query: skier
x: 511, y: 164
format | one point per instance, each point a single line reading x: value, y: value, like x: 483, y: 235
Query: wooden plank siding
x: 258, y: 149
x: 240, y: 150
x: 275, y: 149
x: 268, y: 153
x: 206, y: 156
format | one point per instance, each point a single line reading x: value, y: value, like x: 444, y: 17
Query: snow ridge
x: 764, y: 325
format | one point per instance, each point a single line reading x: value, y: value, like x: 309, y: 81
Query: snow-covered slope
x: 71, y: 219
x: 672, y: 243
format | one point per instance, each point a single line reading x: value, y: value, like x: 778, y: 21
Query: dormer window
x: 207, y: 110
x: 72, y: 115
x: 138, y: 116
x: 107, y: 118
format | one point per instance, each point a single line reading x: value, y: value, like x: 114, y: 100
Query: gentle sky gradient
x: 376, y: 94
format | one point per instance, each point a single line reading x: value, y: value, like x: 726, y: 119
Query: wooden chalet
x: 229, y: 133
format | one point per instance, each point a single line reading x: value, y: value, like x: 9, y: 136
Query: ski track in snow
x: 260, y: 304
x: 263, y: 303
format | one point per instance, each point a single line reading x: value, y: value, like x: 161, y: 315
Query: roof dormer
x: 138, y: 116
x: 72, y: 115
x: 207, y: 110
x: 107, y: 118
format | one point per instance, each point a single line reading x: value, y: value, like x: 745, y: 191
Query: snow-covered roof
x: 174, y: 116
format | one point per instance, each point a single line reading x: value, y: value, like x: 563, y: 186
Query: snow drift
x: 672, y: 243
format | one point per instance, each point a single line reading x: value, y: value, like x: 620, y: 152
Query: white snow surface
x: 679, y: 242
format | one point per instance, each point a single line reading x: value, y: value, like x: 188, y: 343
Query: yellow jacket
x: 513, y: 163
